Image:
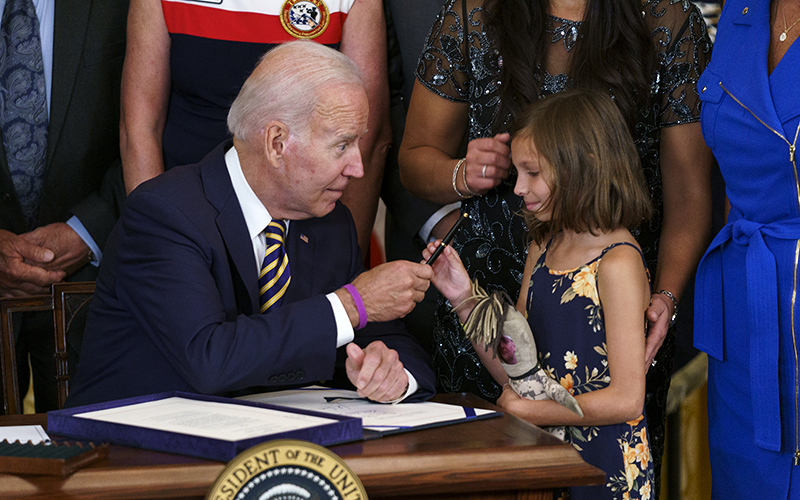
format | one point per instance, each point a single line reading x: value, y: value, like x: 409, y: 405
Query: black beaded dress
x: 492, y: 243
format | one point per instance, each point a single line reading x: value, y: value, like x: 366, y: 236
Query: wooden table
x: 497, y: 458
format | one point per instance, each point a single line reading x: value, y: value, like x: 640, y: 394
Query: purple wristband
x: 362, y: 311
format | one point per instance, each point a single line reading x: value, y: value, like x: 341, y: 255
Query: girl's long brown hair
x: 596, y: 176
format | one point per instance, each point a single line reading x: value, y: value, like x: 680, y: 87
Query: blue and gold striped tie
x: 275, y: 277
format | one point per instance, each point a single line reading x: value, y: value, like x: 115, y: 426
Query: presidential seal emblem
x: 287, y: 469
x: 305, y: 18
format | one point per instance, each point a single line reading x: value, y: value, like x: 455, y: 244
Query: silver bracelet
x: 464, y: 177
x: 455, y: 178
x: 674, y: 305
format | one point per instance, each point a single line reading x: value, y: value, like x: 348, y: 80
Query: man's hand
x: 21, y: 263
x: 71, y: 252
x: 389, y: 291
x: 376, y: 371
x: 658, y: 315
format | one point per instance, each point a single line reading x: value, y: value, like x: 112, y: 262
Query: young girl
x: 585, y: 288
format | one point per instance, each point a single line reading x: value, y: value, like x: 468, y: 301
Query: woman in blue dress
x: 746, y: 315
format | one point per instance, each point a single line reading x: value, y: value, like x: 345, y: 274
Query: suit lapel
x: 300, y: 248
x: 230, y: 221
x: 69, y: 34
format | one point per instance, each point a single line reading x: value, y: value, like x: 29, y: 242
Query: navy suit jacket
x: 176, y: 305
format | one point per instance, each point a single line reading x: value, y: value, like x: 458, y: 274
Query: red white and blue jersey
x: 215, y: 45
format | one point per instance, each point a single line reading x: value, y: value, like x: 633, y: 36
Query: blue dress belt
x: 762, y: 313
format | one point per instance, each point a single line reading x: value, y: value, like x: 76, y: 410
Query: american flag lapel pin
x: 304, y: 238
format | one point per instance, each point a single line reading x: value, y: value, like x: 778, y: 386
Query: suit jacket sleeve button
x: 273, y: 380
x: 7, y: 197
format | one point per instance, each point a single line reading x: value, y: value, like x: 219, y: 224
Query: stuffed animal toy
x: 497, y: 324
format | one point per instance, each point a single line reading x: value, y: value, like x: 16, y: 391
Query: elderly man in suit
x: 60, y: 180
x: 195, y: 295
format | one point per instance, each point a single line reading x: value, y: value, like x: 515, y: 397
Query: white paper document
x: 374, y: 416
x: 34, y: 434
x: 211, y: 419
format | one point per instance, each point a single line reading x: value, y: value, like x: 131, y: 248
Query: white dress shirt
x: 257, y: 217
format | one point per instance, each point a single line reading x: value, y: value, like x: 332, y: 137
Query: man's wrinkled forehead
x: 345, y: 116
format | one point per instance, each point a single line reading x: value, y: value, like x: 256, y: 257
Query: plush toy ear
x: 486, y: 320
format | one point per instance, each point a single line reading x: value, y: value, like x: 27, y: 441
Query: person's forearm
x: 491, y: 362
x: 428, y: 155
x: 605, y: 406
x: 427, y: 172
x: 364, y: 42
x: 486, y: 164
x: 142, y: 156
x: 145, y: 91
x: 684, y: 238
x: 686, y: 226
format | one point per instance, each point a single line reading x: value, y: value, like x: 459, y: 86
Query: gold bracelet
x: 464, y: 177
x: 455, y: 178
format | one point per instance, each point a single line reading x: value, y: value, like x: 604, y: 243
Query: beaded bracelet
x: 362, y: 311
x: 455, y: 178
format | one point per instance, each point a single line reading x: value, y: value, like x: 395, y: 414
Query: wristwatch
x: 674, y: 305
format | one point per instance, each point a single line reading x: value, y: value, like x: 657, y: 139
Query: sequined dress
x: 566, y: 317
x: 491, y: 244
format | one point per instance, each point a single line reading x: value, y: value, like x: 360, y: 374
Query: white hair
x: 287, y: 85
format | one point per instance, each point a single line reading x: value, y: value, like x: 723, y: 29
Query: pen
x: 448, y: 238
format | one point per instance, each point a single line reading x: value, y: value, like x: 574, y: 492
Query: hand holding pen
x: 448, y: 238
x: 449, y: 274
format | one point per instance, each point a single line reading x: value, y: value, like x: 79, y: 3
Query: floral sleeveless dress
x: 566, y: 316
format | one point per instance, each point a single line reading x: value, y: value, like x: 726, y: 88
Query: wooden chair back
x: 65, y: 302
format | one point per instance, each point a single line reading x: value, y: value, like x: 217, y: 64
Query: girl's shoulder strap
x: 614, y: 245
x: 540, y: 260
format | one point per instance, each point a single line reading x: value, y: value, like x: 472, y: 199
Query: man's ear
x: 276, y: 140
